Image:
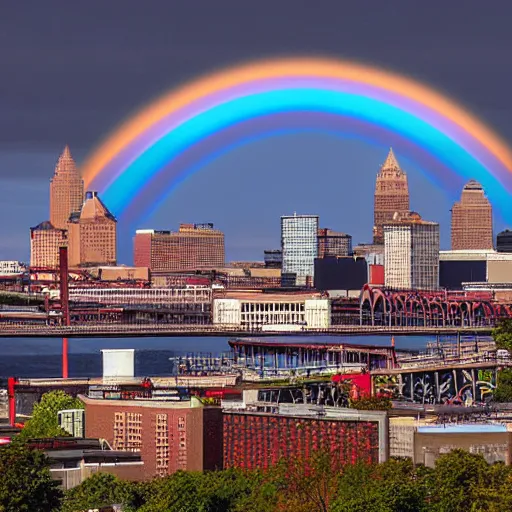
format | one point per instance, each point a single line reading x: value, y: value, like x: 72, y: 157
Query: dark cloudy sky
x: 71, y: 71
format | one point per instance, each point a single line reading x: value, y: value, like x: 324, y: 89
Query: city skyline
x: 390, y: 198
x: 68, y: 111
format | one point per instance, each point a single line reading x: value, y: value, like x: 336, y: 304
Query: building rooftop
x: 478, y: 428
x: 472, y: 185
x: 65, y: 163
x: 261, y: 296
x: 409, y: 218
x: 44, y: 226
x: 391, y: 163
x: 94, y: 207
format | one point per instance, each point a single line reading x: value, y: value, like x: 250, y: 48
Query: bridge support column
x: 64, y: 300
x: 65, y: 358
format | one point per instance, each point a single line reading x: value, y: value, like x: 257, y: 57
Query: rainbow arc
x: 177, y: 134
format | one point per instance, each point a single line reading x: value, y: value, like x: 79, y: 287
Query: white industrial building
x: 140, y: 295
x: 255, y: 310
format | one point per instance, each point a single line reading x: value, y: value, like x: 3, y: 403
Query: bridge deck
x: 173, y: 330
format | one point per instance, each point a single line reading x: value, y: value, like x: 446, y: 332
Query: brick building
x: 472, y: 219
x: 391, y: 195
x: 92, y: 234
x: 45, y: 241
x: 170, y: 435
x: 332, y: 243
x: 255, y: 440
x: 194, y: 246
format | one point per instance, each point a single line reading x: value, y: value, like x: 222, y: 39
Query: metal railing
x: 23, y: 329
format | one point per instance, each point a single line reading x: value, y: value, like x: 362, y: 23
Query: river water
x: 41, y: 357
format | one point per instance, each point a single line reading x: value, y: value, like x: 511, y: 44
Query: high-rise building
x: 411, y: 253
x: 300, y: 247
x: 45, y: 241
x: 66, y: 190
x: 332, y: 243
x: 194, y: 246
x: 93, y: 235
x: 391, y: 195
x: 472, y: 219
x: 504, y: 241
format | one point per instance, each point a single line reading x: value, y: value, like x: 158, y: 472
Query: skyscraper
x: 391, y: 195
x: 472, y: 219
x: 95, y: 240
x: 66, y: 190
x: 411, y: 253
x: 299, y: 244
x: 194, y: 246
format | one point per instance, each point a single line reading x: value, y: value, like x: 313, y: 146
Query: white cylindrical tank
x: 118, y: 362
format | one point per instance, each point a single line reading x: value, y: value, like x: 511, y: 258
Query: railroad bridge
x: 393, y: 308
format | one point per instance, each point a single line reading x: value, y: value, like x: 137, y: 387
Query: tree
x: 502, y: 334
x: 25, y: 483
x: 371, y: 403
x: 307, y: 485
x: 99, y: 490
x: 44, y: 421
x: 503, y: 392
x: 230, y: 490
x: 463, y: 481
x: 394, y: 486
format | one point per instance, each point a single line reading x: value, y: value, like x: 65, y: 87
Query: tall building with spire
x: 66, y: 191
x: 391, y: 195
x: 472, y: 219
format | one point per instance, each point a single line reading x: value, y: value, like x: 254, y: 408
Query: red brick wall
x: 142, y: 250
x: 259, y: 441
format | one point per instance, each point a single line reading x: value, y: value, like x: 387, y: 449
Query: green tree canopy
x: 44, y: 421
x: 502, y: 334
x: 25, y: 482
x: 215, y: 491
x: 99, y: 490
x: 395, y: 486
x: 466, y: 482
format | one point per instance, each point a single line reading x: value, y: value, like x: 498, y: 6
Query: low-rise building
x: 72, y: 460
x: 253, y: 310
x: 170, y: 435
x: 254, y: 440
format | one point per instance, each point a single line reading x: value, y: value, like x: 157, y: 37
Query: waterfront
x: 41, y: 357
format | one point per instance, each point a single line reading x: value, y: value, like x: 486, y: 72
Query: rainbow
x: 177, y: 134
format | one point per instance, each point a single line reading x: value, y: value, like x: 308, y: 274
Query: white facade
x: 397, y: 257
x: 11, y: 267
x: 141, y: 295
x: 252, y: 314
x: 299, y: 243
x: 318, y: 313
x: 411, y: 255
x: 227, y: 312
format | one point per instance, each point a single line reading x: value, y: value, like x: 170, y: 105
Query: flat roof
x: 303, y: 342
x: 478, y: 428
